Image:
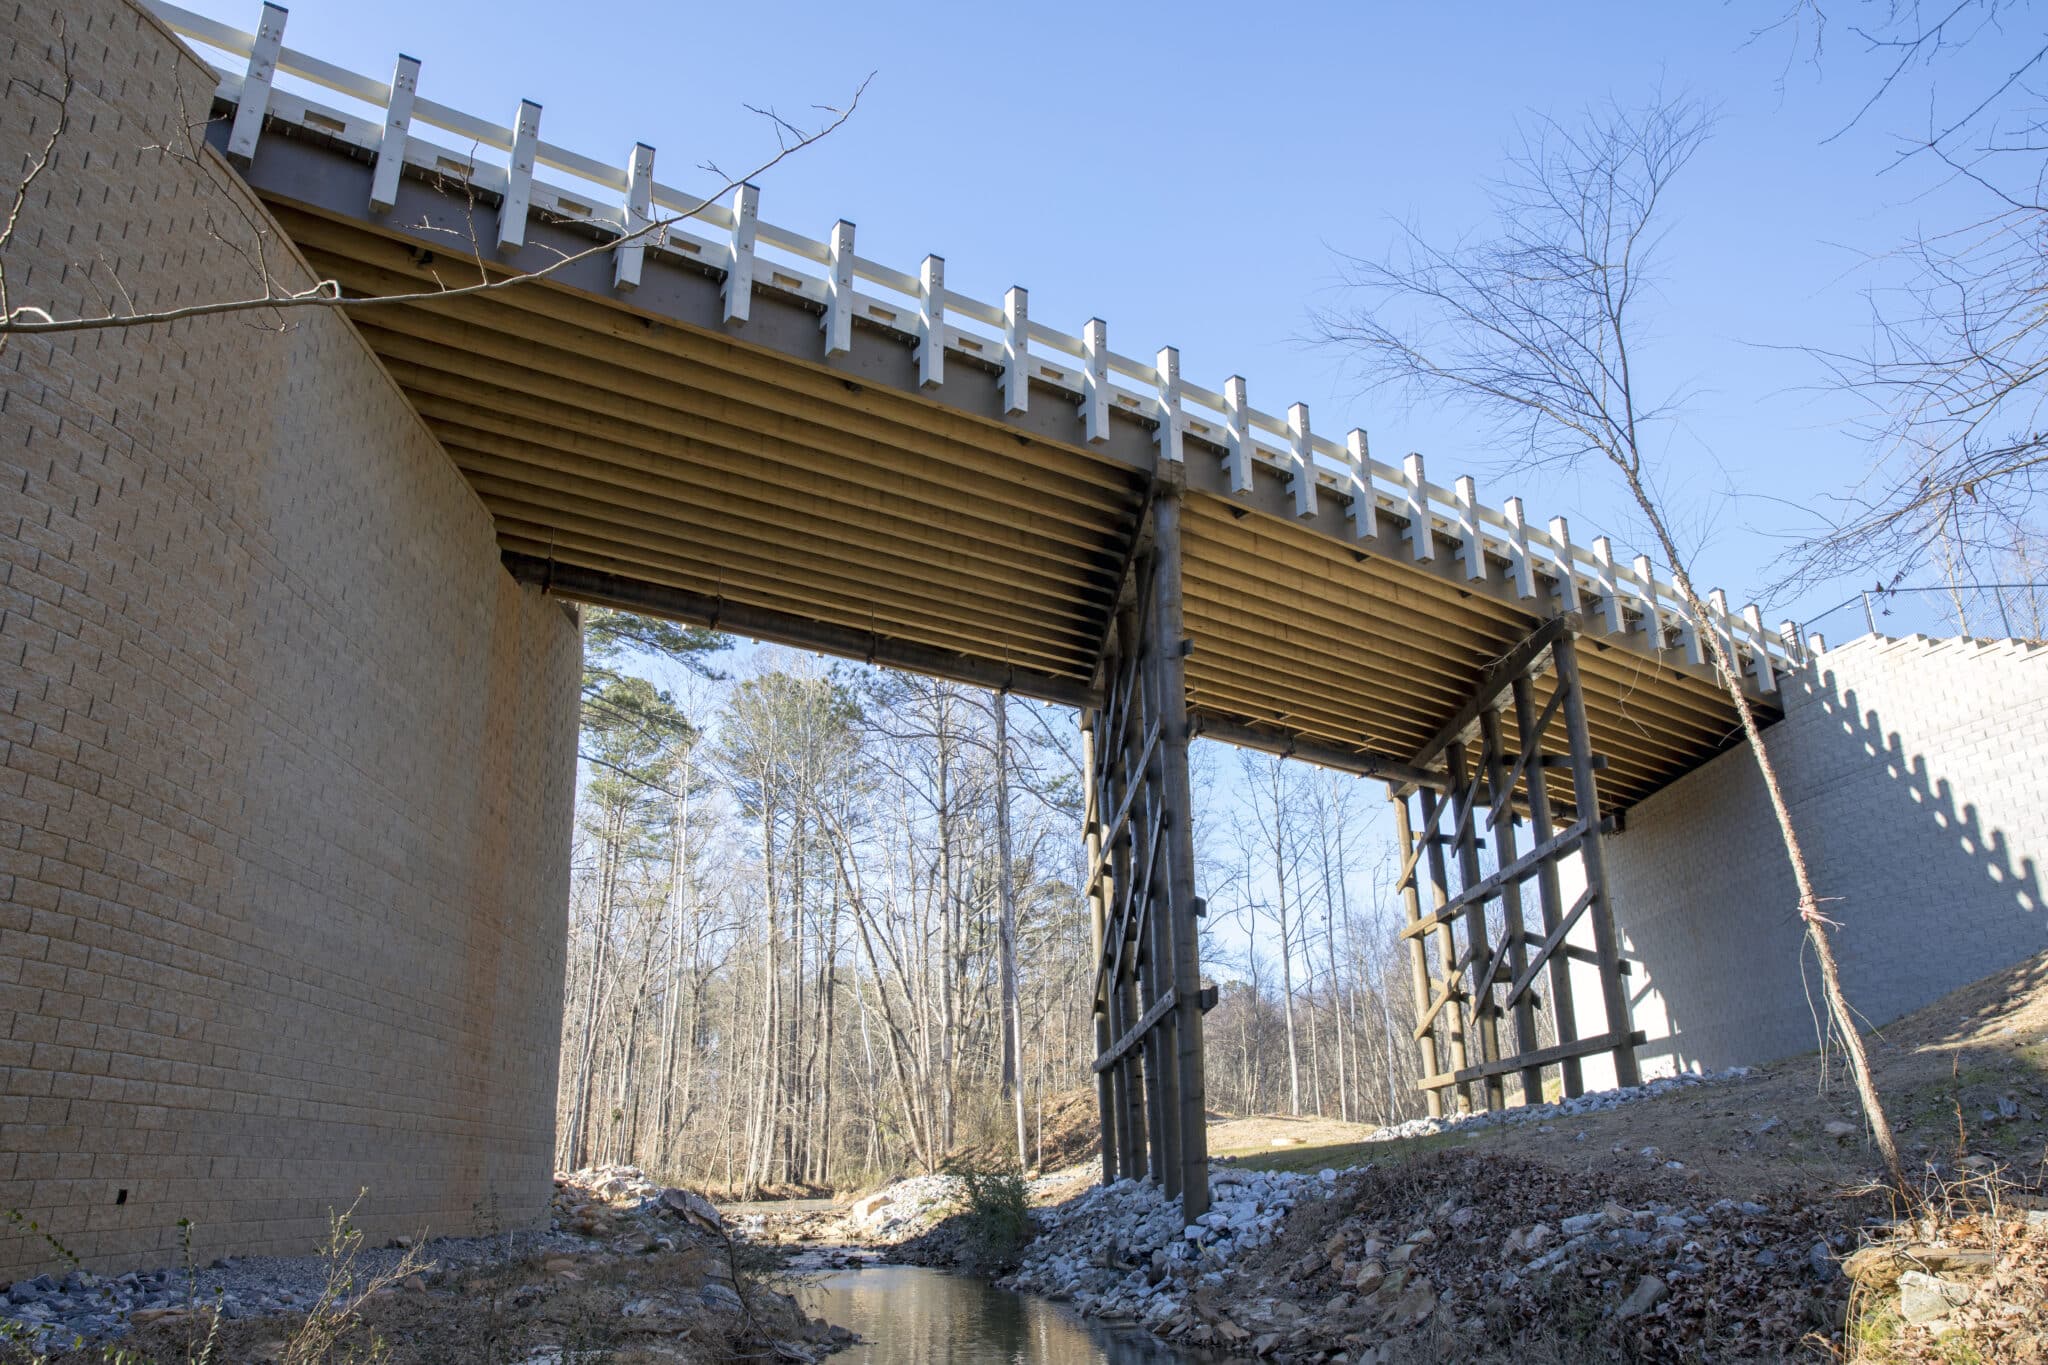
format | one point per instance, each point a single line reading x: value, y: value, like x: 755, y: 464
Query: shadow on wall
x: 1917, y: 776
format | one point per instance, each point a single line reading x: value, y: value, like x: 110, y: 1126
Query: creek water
x: 908, y: 1315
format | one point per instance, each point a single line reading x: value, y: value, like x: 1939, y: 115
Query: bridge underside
x: 636, y: 449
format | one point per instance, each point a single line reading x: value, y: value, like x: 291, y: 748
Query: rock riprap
x: 1123, y: 1250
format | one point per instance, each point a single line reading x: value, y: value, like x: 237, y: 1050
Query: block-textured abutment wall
x: 286, y: 759
x: 1917, y: 774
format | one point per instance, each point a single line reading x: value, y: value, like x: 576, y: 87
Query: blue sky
x: 1189, y: 172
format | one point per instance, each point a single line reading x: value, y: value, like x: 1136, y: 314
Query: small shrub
x: 998, y: 1215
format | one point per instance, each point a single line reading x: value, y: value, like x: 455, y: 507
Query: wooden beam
x: 1526, y: 865
x: 610, y: 590
x: 1614, y: 995
x: 1584, y: 1047
x: 1098, y: 927
x: 1564, y: 1018
x: 1418, y: 952
x: 1309, y: 751
x: 1499, y: 793
x: 1497, y: 677
x: 1168, y: 635
x: 1553, y: 941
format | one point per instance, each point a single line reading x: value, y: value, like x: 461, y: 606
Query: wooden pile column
x: 1183, y: 912
x: 1140, y: 847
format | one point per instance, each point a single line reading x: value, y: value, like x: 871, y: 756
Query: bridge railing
x: 501, y: 162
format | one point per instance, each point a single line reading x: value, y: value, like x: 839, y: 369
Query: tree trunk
x: 1013, y: 1018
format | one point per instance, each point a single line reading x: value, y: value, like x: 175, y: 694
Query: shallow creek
x: 909, y: 1315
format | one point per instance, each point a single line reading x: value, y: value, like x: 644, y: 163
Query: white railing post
x: 1471, y: 548
x: 739, y: 266
x: 631, y: 251
x: 1365, y: 518
x: 1421, y: 539
x: 405, y: 84
x: 1795, y: 648
x: 1301, y: 451
x: 1016, y: 350
x: 1644, y: 582
x: 1689, y: 631
x: 1609, y: 583
x: 519, y: 177
x: 1237, y: 419
x: 1095, y: 381
x: 1519, y: 567
x: 1567, y: 571
x: 838, y: 319
x: 1724, y: 630
x: 254, y: 101
x: 1169, y: 435
x: 931, y: 322
x: 1760, y: 666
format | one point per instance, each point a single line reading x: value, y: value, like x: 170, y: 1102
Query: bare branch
x: 27, y: 320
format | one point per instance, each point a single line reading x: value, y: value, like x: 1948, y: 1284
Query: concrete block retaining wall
x: 286, y: 759
x: 1917, y: 774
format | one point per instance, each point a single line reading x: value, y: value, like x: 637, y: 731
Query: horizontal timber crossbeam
x: 1322, y: 755
x: 1584, y: 1047
x: 1136, y: 1032
x: 602, y: 589
x: 1558, y: 844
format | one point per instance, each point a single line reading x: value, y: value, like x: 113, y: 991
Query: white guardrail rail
x: 751, y: 252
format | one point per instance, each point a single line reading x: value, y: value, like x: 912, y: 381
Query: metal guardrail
x: 1941, y: 610
x: 752, y: 253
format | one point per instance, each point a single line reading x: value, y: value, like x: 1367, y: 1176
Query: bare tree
x: 1954, y: 377
x: 1537, y: 328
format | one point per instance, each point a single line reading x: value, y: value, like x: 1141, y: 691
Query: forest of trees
x: 789, y: 940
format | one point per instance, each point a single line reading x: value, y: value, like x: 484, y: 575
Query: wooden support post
x: 1446, y: 942
x: 1143, y: 1153
x: 1586, y: 793
x: 1478, y: 946
x: 1134, y: 763
x: 1550, y: 897
x: 1500, y: 798
x: 1139, y: 1103
x: 1163, y: 1056
x: 1091, y: 838
x: 1111, y: 967
x: 1418, y: 954
x: 1170, y: 651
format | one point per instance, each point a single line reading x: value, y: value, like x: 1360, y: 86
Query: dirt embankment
x: 1742, y: 1219
x: 630, y: 1273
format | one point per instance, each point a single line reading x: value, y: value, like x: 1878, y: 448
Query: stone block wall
x: 287, y: 761
x: 1917, y: 775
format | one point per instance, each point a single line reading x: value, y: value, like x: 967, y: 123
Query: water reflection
x: 907, y: 1315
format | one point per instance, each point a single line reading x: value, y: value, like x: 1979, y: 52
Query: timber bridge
x: 731, y: 423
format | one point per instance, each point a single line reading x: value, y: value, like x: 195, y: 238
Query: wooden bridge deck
x: 805, y: 472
